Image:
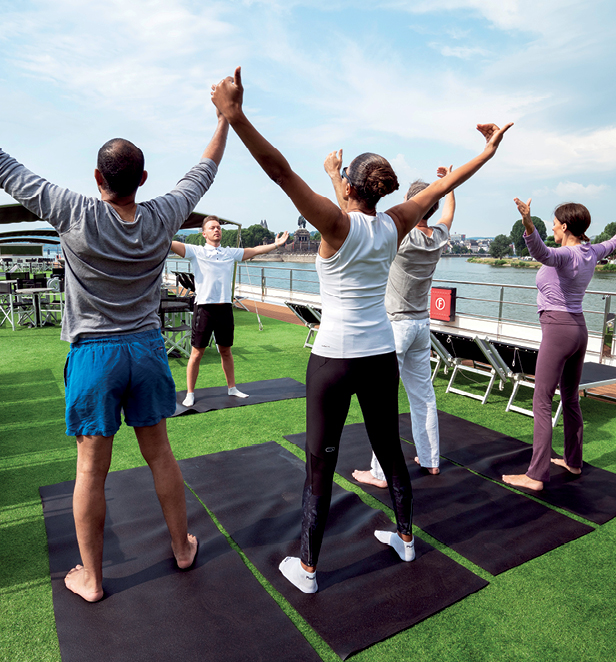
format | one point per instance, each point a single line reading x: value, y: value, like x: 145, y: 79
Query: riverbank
x: 308, y: 258
x: 528, y: 264
x: 506, y: 262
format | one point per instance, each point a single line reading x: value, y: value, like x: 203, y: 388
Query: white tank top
x: 354, y: 321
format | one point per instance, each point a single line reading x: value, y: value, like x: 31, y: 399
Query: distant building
x: 263, y: 224
x: 302, y: 242
x: 457, y: 238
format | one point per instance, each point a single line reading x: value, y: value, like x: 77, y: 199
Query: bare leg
x: 226, y: 359
x: 89, y: 507
x: 368, y: 478
x: 522, y: 480
x: 562, y: 463
x: 431, y: 470
x: 192, y: 369
x: 169, y: 485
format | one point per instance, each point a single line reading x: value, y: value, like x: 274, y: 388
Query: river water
x: 478, y: 295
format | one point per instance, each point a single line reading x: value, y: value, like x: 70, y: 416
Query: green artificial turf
x: 557, y: 607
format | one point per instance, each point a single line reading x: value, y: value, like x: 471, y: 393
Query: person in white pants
x: 407, y: 301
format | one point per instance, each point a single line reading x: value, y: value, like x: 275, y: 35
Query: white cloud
x: 550, y: 154
x: 574, y: 191
x: 462, y: 52
x: 406, y: 173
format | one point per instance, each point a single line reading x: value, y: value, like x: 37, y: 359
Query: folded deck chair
x: 185, y: 281
x: 453, y: 349
x: 522, y: 362
x: 175, y: 314
x: 310, y: 317
x: 6, y: 304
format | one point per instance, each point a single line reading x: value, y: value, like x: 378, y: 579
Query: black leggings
x: 330, y: 383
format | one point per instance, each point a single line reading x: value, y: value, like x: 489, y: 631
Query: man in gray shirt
x: 115, y: 251
x: 407, y: 300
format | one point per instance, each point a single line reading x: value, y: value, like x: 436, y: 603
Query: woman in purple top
x: 562, y: 283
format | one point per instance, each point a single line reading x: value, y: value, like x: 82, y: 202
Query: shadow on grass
x: 35, y: 439
x: 24, y: 554
x: 20, y: 484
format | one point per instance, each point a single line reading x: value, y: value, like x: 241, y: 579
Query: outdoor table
x: 36, y: 297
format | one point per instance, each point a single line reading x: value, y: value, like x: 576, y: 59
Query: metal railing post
x: 291, y: 281
x: 606, y: 313
x: 263, y: 281
x: 500, y: 304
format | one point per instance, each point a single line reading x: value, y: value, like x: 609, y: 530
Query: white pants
x: 413, y: 351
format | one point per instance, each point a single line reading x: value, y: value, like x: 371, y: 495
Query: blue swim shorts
x: 105, y: 375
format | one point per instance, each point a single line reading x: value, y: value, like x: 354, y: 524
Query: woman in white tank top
x: 354, y: 351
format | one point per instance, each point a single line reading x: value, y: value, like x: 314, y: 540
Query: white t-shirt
x: 213, y: 269
x: 354, y: 321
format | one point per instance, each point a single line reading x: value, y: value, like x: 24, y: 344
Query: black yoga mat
x: 366, y: 593
x: 151, y: 610
x: 489, y: 525
x: 216, y: 397
x: 591, y: 495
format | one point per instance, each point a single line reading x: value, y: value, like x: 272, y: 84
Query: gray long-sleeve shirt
x: 113, y: 267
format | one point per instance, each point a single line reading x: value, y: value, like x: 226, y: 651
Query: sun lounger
x: 310, y: 317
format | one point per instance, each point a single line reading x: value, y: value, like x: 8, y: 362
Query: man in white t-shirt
x: 212, y: 266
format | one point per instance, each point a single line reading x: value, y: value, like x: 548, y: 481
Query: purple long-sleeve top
x: 566, y: 271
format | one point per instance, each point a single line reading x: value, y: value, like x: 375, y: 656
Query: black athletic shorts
x: 212, y: 317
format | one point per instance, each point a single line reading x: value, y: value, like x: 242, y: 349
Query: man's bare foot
x: 187, y: 556
x: 79, y: 582
x: 367, y: 477
x: 562, y: 463
x: 522, y: 480
x: 431, y: 470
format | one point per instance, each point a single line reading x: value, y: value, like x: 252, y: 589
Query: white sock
x: 189, y: 400
x: 238, y: 394
x: 406, y: 550
x: 305, y: 581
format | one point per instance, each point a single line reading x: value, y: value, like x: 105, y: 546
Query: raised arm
x: 281, y: 240
x: 449, y: 207
x: 178, y: 248
x: 524, y: 209
x: 407, y: 214
x: 217, y: 145
x: 327, y: 218
x: 332, y: 165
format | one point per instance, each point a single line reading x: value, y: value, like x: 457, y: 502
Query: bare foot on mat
x: 522, y: 480
x: 367, y: 477
x: 78, y: 582
x: 187, y: 556
x: 562, y: 463
x: 431, y: 470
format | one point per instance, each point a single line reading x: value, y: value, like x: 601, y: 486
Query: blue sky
x: 408, y: 80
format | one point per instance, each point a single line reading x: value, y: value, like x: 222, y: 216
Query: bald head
x: 121, y: 164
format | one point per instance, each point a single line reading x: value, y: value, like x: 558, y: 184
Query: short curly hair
x: 372, y: 177
x: 416, y: 187
x: 121, y: 164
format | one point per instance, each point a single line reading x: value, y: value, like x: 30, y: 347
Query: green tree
x: 550, y: 243
x: 255, y: 235
x: 196, y: 239
x: 500, y: 246
x: 228, y: 238
x: 608, y: 232
x: 517, y: 233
